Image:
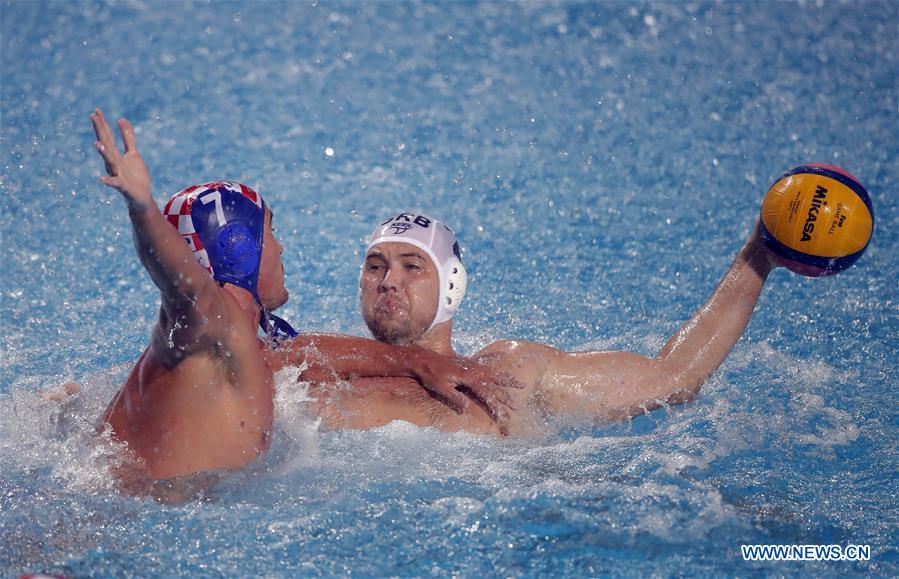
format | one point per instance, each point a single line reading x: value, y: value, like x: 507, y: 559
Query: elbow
x: 686, y: 389
x: 683, y: 396
x: 684, y: 382
x: 681, y: 384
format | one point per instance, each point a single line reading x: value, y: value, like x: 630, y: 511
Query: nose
x: 390, y: 281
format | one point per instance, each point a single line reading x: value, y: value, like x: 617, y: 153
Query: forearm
x: 702, y: 344
x: 618, y: 385
x: 347, y: 357
x: 165, y: 255
x: 160, y: 248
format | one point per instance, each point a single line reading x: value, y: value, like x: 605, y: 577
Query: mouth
x: 389, y: 307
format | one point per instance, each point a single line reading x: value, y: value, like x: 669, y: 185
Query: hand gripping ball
x: 817, y: 220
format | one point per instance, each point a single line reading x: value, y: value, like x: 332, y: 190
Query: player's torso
x: 527, y: 362
x: 373, y: 402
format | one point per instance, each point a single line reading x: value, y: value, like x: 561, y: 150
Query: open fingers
x: 497, y: 397
x: 451, y: 397
x: 111, y: 158
x: 494, y: 409
x: 127, y: 135
x: 109, y: 154
x: 105, y: 142
x: 493, y: 391
x: 113, y: 181
x: 496, y: 385
x: 102, y: 130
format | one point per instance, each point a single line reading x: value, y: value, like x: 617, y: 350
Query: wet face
x: 399, y: 289
x: 272, y: 292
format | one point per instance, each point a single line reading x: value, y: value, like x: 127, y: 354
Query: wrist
x: 136, y: 207
x: 758, y: 256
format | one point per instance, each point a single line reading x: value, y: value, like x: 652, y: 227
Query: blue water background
x: 601, y: 162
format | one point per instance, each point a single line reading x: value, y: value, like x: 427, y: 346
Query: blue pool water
x: 601, y: 163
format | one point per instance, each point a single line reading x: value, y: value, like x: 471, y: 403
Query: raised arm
x: 706, y: 339
x: 617, y: 385
x: 188, y: 292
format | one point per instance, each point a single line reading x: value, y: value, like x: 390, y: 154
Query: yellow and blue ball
x: 817, y: 220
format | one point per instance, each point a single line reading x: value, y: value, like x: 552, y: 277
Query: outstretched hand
x: 456, y: 381
x: 126, y: 172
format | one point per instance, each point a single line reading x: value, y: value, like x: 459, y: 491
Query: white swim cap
x: 439, y: 242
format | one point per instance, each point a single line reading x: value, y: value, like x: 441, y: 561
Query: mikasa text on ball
x: 817, y: 219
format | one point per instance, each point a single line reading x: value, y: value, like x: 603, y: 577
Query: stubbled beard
x: 394, y: 335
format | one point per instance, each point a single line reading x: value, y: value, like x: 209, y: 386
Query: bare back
x: 210, y: 410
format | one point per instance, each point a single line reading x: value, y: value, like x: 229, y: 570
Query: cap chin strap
x: 276, y: 329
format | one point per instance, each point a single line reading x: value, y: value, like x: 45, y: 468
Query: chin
x: 387, y: 333
x: 273, y: 304
x: 392, y: 338
x: 395, y: 333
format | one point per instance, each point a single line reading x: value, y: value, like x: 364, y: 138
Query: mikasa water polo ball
x: 817, y: 219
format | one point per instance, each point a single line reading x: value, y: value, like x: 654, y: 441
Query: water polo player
x: 200, y: 397
x: 413, y: 281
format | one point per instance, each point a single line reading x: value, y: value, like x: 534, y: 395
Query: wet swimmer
x: 413, y: 281
x: 200, y: 397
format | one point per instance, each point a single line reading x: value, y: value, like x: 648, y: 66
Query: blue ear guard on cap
x: 232, y: 226
x: 223, y: 222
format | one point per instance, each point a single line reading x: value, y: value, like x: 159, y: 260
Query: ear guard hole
x: 237, y: 250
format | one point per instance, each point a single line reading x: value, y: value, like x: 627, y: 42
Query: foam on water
x: 351, y: 494
x: 294, y: 426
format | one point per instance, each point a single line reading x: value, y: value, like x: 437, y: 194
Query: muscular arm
x: 452, y: 380
x: 328, y: 356
x: 706, y: 339
x: 171, y: 265
x: 189, y: 295
x: 617, y: 385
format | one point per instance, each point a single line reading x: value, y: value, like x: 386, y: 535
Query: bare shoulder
x: 213, y: 326
x: 515, y: 347
x: 517, y: 353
